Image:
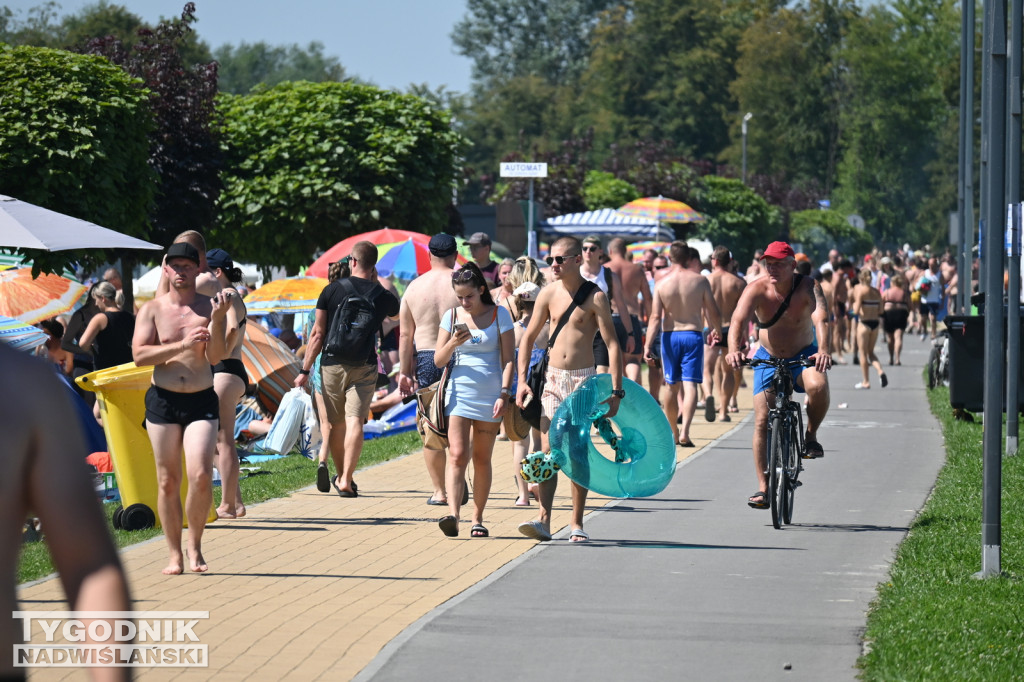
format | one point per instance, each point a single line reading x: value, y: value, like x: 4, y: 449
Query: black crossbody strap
x: 577, y: 300
x: 782, y: 308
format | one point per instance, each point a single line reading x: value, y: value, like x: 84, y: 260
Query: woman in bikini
x: 895, y: 313
x: 866, y: 303
x: 229, y: 382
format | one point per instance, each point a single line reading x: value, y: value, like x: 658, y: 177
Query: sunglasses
x: 591, y: 248
x: 559, y: 259
x: 462, y: 276
x: 660, y: 267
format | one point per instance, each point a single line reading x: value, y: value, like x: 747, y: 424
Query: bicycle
x: 785, y: 439
x: 938, y: 360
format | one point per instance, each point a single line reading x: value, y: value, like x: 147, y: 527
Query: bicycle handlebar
x: 779, y: 362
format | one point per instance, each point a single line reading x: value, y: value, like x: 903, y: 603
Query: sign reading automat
x: 524, y: 170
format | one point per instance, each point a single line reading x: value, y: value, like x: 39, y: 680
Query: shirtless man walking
x: 681, y: 302
x: 610, y: 285
x: 790, y: 334
x: 570, y: 363
x: 182, y: 334
x: 726, y: 289
x: 426, y: 299
x: 636, y: 294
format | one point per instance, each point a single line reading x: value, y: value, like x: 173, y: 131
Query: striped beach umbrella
x: 286, y: 295
x: 20, y: 335
x: 344, y: 247
x: 661, y: 209
x: 270, y: 364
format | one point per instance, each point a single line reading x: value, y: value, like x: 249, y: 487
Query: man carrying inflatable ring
x: 570, y: 363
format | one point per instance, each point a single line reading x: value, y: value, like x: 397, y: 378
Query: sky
x: 391, y: 43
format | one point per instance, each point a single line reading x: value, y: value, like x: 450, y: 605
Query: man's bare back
x: 726, y: 289
x: 684, y: 295
x: 634, y: 283
x: 427, y: 298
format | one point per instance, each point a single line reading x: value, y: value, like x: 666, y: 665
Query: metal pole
x: 965, y: 185
x: 993, y: 167
x: 746, y: 117
x: 1013, y: 252
x: 1013, y: 321
x: 531, y: 235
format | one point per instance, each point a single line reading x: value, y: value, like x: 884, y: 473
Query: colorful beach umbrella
x: 344, y: 247
x: 406, y: 260
x: 661, y: 209
x: 34, y: 300
x: 637, y: 249
x: 20, y: 335
x: 270, y: 364
x: 287, y: 295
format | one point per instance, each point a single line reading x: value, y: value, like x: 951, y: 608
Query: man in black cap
x: 181, y: 334
x: 480, y: 248
x: 426, y: 300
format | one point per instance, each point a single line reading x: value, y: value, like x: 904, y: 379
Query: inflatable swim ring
x: 644, y: 453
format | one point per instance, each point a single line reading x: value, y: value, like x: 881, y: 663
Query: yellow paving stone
x: 312, y: 586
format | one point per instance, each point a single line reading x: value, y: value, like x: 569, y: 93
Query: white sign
x: 524, y: 170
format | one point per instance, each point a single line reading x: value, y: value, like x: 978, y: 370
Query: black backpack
x: 351, y: 336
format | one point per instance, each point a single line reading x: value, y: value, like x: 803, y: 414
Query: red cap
x: 778, y: 250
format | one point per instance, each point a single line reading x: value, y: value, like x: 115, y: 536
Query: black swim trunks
x: 722, y: 342
x: 601, y: 357
x: 170, y: 407
x: 232, y: 366
x: 390, y: 341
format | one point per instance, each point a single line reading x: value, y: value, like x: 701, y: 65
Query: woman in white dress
x: 479, y: 335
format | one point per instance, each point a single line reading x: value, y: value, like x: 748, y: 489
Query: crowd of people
x: 688, y: 321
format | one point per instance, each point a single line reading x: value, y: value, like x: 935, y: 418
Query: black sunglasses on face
x: 558, y: 259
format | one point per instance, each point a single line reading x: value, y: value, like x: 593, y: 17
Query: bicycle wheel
x: 791, y: 474
x: 776, y: 476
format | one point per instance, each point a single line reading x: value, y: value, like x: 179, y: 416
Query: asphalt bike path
x: 692, y: 583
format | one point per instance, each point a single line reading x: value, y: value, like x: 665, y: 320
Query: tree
x: 895, y: 116
x: 604, y: 190
x: 244, y: 67
x: 185, y: 153
x: 820, y: 231
x: 75, y: 139
x: 736, y: 217
x: 312, y: 163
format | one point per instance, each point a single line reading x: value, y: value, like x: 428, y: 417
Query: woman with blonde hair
x: 866, y: 304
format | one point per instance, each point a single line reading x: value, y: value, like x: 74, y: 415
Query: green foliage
x: 309, y: 164
x: 932, y: 619
x: 244, y: 67
x: 75, y: 140
x: 891, y: 134
x: 604, y: 190
x: 819, y: 231
x: 736, y: 217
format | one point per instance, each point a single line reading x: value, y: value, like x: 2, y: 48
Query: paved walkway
x: 313, y: 586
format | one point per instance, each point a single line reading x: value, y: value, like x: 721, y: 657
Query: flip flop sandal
x: 763, y: 504
x: 579, y: 535
x: 479, y: 531
x: 449, y: 525
x: 812, y: 450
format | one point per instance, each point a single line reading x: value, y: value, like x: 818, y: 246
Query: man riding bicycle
x: 791, y: 315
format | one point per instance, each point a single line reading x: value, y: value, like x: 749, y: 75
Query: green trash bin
x: 121, y: 392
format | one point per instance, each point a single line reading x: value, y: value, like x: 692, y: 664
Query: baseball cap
x: 443, y: 245
x: 527, y: 291
x: 778, y: 250
x: 219, y: 258
x: 800, y: 257
x: 885, y: 260
x: 183, y: 250
x: 479, y: 238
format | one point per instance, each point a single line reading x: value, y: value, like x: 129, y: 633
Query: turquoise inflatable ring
x: 643, y: 458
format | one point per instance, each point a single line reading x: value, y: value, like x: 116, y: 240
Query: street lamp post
x: 746, y: 118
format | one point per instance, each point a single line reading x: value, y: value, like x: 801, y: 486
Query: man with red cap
x: 797, y: 320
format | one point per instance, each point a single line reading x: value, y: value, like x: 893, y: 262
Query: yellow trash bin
x: 121, y: 392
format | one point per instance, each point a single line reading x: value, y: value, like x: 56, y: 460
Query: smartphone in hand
x: 460, y: 327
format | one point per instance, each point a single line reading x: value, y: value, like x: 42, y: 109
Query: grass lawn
x: 932, y: 619
x: 276, y: 478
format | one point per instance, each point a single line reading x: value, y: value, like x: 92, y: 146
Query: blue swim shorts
x: 682, y: 356
x: 763, y: 374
